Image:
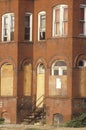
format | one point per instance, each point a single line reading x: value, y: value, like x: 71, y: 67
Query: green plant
x: 79, y: 121
x: 2, y: 120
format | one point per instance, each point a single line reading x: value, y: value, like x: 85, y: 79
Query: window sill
x: 62, y: 36
x: 41, y: 40
x: 7, y: 42
x: 82, y: 36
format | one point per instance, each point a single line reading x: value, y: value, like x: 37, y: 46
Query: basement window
x: 41, y: 25
x: 8, y: 27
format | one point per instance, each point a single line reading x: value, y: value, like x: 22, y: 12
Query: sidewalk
x: 35, y: 127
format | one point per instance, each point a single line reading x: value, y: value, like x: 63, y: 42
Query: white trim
x: 8, y: 15
x: 83, y: 21
x: 30, y: 14
x: 82, y: 5
x: 61, y: 8
x: 39, y: 20
x: 60, y: 69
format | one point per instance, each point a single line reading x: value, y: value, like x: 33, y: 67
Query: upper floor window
x: 60, y: 20
x: 8, y: 27
x: 59, y: 68
x: 83, y: 19
x: 28, y: 27
x: 41, y: 25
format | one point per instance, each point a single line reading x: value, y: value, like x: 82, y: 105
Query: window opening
x: 82, y: 63
x: 28, y: 26
x: 83, y: 19
x: 60, y: 20
x: 8, y: 27
x: 59, y: 68
x: 41, y: 25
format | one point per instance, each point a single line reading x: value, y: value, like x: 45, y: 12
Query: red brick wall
x: 8, y: 109
x: 15, y: 52
x: 67, y: 49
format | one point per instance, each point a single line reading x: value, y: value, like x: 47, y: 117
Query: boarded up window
x: 83, y: 82
x: 58, y: 79
x: 58, y: 88
x: 27, y: 80
x: 7, y: 80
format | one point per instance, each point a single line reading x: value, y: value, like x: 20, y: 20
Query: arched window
x: 82, y: 77
x: 58, y: 79
x: 82, y: 63
x: 59, y: 68
x: 7, y: 80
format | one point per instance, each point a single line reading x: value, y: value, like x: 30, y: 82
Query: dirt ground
x: 27, y: 127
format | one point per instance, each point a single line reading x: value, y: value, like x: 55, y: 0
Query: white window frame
x: 84, y: 64
x: 39, y: 22
x: 83, y: 21
x: 59, y: 68
x: 61, y: 8
x: 30, y: 15
x: 9, y: 27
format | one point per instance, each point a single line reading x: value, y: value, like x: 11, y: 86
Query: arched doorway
x: 40, y: 85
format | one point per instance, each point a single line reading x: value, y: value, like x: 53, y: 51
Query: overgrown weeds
x: 2, y: 120
x: 79, y: 121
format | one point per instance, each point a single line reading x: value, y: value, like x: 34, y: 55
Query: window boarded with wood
x: 83, y: 82
x: 58, y: 85
x: 7, y: 80
x: 40, y: 85
x: 27, y: 80
x: 40, y: 89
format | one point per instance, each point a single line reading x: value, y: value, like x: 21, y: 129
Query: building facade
x: 42, y: 58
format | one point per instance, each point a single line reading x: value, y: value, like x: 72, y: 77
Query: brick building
x: 42, y: 58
